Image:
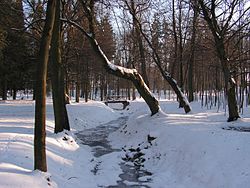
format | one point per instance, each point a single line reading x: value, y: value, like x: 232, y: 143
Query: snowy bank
x: 68, y: 164
x: 186, y: 150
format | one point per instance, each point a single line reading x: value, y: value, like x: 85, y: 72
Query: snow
x: 123, y: 70
x: 112, y: 66
x: 199, y: 149
x: 89, y: 115
x: 189, y: 150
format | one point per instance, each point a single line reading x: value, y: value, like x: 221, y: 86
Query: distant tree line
x: 14, y: 57
x: 177, y: 31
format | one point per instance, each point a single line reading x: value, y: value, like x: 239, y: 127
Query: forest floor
x: 127, y: 148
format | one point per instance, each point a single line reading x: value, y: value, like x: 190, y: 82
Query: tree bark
x: 175, y: 41
x: 129, y: 74
x: 58, y: 91
x: 192, y: 53
x: 14, y: 93
x: 78, y: 90
x: 67, y: 90
x: 230, y: 87
x: 182, y: 99
x: 219, y: 32
x: 4, y: 88
x: 180, y: 57
x: 139, y: 41
x: 40, y: 104
x: 230, y: 84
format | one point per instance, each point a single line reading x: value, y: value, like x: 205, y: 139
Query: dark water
x: 97, y: 139
x: 131, y: 174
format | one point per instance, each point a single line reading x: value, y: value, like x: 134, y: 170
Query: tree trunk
x: 87, y: 87
x: 175, y: 41
x: 142, y: 58
x: 129, y: 74
x: 78, y: 90
x: 34, y: 91
x: 140, y: 46
x: 102, y: 89
x: 58, y: 90
x: 191, y: 58
x: 40, y: 106
x: 4, y: 88
x: 172, y: 82
x: 232, y: 102
x: 219, y: 33
x: 230, y: 84
x: 180, y: 57
x: 182, y: 99
x: 14, y: 93
x: 66, y: 90
x: 128, y: 91
x: 133, y: 93
x: 86, y: 91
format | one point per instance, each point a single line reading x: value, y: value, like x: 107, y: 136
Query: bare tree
x: 192, y: 51
x: 166, y: 75
x: 59, y: 104
x: 220, y: 19
x: 129, y: 74
x: 40, y: 105
x: 139, y: 40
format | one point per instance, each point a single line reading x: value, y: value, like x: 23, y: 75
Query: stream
x: 97, y: 139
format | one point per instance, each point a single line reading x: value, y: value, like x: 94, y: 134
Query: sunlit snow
x: 180, y: 150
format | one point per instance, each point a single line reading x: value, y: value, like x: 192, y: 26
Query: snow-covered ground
x: 179, y: 150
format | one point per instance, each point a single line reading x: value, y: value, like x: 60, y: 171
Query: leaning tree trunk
x: 40, y: 107
x: 58, y: 91
x: 128, y: 74
x: 167, y: 76
x: 182, y: 98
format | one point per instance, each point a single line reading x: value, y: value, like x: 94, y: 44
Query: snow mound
x: 89, y: 115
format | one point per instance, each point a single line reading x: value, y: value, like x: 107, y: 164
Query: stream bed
x: 97, y: 138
